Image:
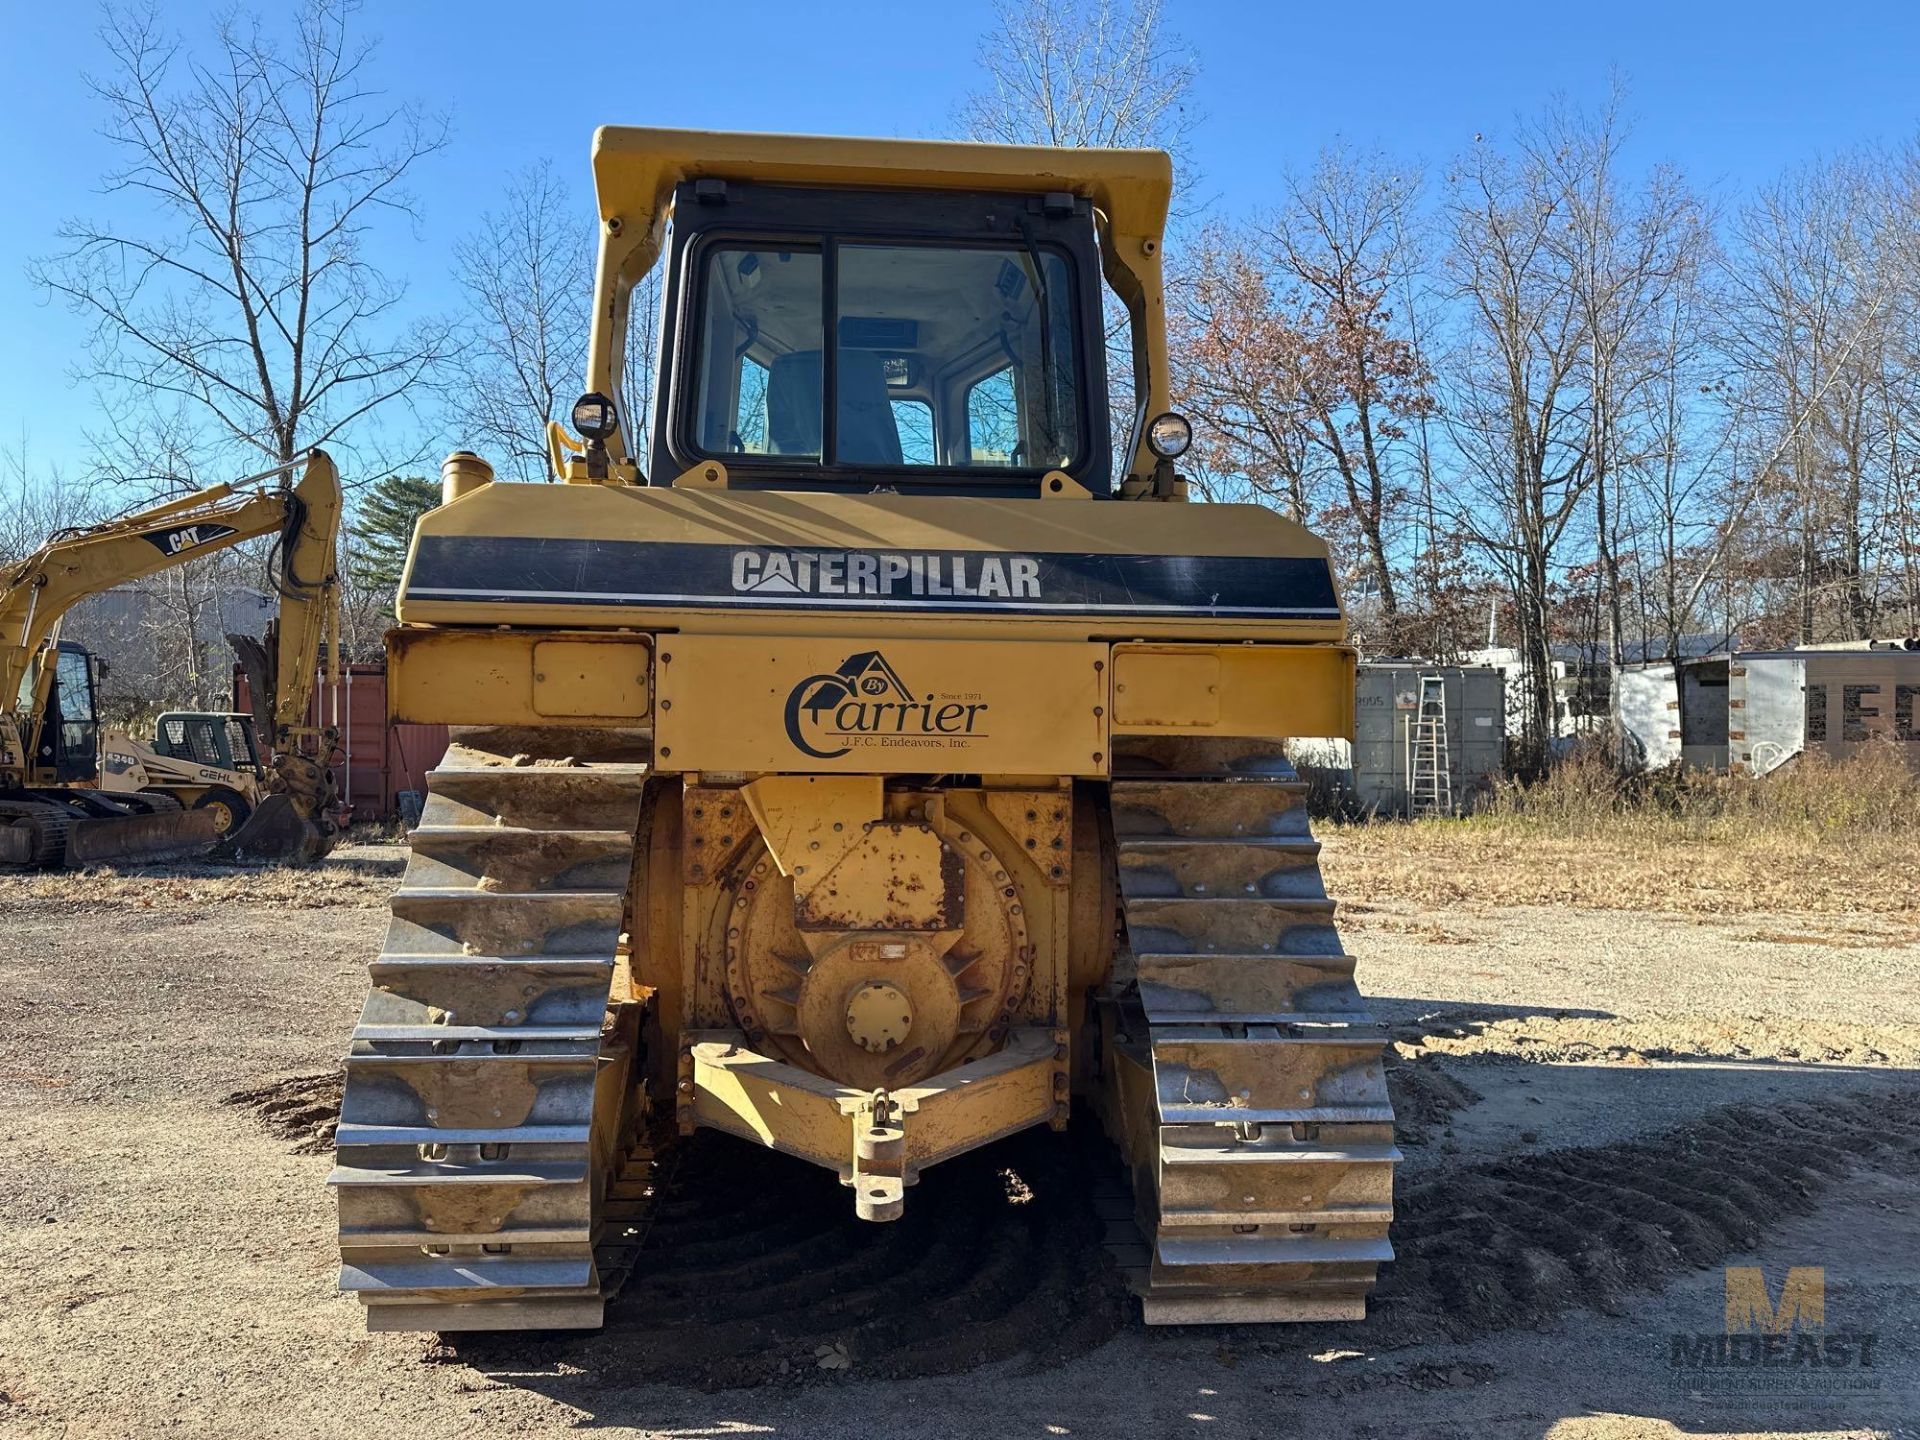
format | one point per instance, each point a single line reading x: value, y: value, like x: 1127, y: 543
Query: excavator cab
x: 70, y: 736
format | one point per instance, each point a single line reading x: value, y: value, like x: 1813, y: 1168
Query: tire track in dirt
x: 1516, y: 1241
x: 754, y: 1270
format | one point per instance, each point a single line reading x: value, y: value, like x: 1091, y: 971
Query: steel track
x: 1245, y: 1068
x: 481, y: 1131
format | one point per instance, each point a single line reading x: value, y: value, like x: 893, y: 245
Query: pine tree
x: 384, y: 527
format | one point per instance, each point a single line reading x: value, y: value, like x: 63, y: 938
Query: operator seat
x: 867, y: 433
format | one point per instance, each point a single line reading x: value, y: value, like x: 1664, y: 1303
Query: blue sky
x: 1731, y: 93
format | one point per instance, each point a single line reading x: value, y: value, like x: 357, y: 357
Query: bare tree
x: 1626, y: 248
x: 528, y: 274
x: 1808, y: 336
x: 1089, y: 73
x: 1083, y: 72
x: 35, y: 502
x: 1342, y: 240
x: 233, y: 272
x: 1300, y: 373
x: 1898, y: 391
x: 1684, y: 434
x: 1514, y: 409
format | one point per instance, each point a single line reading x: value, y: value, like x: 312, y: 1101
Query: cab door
x: 70, y: 734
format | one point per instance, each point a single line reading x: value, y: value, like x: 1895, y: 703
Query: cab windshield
x: 949, y: 357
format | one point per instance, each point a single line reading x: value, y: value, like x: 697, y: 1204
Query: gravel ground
x: 1601, y: 1110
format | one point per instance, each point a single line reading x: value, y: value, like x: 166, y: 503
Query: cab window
x: 760, y: 337
x: 914, y: 420
x: 73, y: 695
x: 955, y: 357
x: 993, y: 423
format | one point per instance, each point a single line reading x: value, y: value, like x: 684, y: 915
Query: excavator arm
x: 304, y: 519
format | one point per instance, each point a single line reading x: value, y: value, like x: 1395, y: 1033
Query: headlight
x: 1169, y: 436
x: 594, y: 417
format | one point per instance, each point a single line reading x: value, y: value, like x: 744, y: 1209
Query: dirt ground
x: 1600, y: 1111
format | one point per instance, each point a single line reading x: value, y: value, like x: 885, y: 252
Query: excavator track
x: 483, y: 1127
x: 33, y: 834
x: 1244, y: 1070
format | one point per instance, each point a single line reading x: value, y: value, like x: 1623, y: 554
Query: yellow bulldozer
x: 866, y: 755
x: 73, y: 795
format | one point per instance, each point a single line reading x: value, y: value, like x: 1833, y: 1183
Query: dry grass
x: 1821, y: 837
x: 357, y: 876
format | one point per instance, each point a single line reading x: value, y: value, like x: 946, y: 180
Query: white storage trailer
x: 1783, y: 702
x: 1673, y: 713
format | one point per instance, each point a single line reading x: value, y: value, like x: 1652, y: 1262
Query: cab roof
x: 635, y: 169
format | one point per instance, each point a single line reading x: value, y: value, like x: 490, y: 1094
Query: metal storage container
x: 1670, y: 713
x: 1386, y: 702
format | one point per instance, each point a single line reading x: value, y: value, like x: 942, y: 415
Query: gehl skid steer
x: 71, y: 795
x: 866, y: 759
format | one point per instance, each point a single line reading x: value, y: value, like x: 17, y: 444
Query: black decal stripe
x: 869, y: 602
x: 529, y: 571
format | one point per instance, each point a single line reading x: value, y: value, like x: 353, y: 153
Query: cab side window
x: 993, y: 420
x: 914, y: 420
x: 761, y: 335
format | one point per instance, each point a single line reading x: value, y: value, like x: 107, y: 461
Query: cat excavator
x: 59, y: 804
x: 866, y: 755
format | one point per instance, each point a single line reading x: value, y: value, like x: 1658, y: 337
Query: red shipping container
x: 376, y: 761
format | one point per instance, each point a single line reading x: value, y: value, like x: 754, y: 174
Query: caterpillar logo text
x: 865, y: 702
x: 186, y: 537
x: 859, y: 572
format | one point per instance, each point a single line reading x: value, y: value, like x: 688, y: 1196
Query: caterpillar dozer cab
x: 864, y: 757
x: 70, y: 795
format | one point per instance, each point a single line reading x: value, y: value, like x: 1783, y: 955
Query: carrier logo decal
x: 866, y: 703
x: 187, y: 537
x: 864, y: 572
